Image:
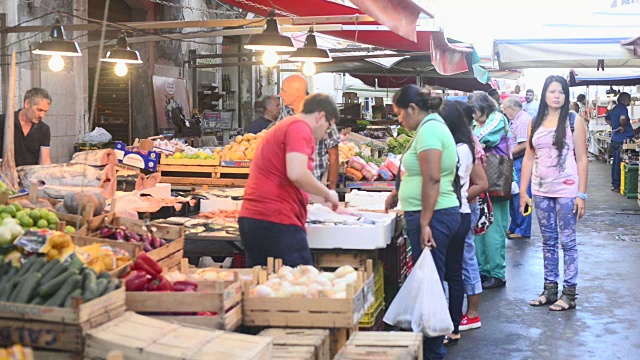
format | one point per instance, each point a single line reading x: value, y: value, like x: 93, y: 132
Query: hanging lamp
x: 270, y: 39
x: 310, y: 51
x: 122, y: 55
x: 57, y: 47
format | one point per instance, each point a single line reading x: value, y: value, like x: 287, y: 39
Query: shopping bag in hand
x: 420, y: 305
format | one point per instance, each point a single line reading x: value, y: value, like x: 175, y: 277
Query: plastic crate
x: 629, y: 181
x: 370, y: 316
x: 378, y: 280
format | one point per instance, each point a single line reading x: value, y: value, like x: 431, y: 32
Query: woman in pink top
x: 556, y: 163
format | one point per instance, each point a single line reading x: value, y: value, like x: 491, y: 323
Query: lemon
x: 26, y: 222
x: 42, y: 224
x: 177, y: 156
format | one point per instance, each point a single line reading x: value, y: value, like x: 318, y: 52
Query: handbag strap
x: 506, y: 138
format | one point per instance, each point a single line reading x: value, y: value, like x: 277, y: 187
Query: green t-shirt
x: 433, y: 134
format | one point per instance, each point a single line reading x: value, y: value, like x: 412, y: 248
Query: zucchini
x: 74, y: 293
x: 37, y: 301
x: 54, y: 272
x: 89, y: 286
x: 27, y: 287
x: 24, y: 268
x: 5, y: 291
x: 45, y: 269
x: 72, y: 283
x: 17, y: 286
x: 101, y: 285
x: 105, y: 275
x: 113, y: 284
x: 54, y: 285
x: 38, y: 264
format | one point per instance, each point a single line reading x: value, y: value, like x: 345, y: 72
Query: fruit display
x: 30, y: 218
x: 101, y: 258
x: 146, y: 275
x: 347, y: 151
x: 37, y: 281
x: 206, y: 274
x: 122, y: 233
x: 307, y: 282
x: 243, y: 148
x: 3, y: 187
x: 198, y: 155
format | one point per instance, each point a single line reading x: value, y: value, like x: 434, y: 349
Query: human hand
x: 524, y: 201
x: 331, y: 200
x: 580, y: 207
x: 391, y: 202
x: 427, y: 240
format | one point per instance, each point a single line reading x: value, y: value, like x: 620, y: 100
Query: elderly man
x: 530, y: 106
x: 293, y: 93
x: 270, y: 112
x: 520, y: 121
x: 32, y: 137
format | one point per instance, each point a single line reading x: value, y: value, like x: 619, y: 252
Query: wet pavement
x: 605, y: 324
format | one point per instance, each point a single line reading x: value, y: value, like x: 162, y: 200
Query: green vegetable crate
x: 56, y: 328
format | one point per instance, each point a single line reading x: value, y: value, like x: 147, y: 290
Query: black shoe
x: 484, y: 278
x: 493, y: 283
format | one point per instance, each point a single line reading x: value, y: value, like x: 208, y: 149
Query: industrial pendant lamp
x: 122, y: 55
x: 57, y: 47
x: 270, y: 41
x: 310, y: 54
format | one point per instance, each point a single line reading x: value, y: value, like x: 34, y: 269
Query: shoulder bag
x: 499, y: 170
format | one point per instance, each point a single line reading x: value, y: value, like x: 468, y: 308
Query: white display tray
x: 365, y: 237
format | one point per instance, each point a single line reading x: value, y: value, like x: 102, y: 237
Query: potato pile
x: 244, y: 147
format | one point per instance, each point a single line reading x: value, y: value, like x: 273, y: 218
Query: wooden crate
x: 378, y: 353
x: 230, y: 172
x: 292, y: 353
x: 332, y: 259
x: 142, y: 337
x: 375, y: 340
x: 167, y: 256
x: 317, y: 339
x: 54, y: 328
x: 311, y: 313
x: 215, y: 182
x: 224, y: 298
x: 188, y: 162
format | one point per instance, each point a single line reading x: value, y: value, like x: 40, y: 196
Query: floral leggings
x: 555, y: 215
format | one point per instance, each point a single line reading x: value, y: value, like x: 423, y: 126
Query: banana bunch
x: 347, y: 151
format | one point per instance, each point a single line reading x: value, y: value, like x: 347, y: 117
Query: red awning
x: 467, y: 83
x: 450, y: 59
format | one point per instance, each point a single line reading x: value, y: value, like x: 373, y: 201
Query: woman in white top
x: 455, y: 119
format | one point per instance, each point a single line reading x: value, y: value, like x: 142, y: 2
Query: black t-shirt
x: 259, y: 124
x: 26, y: 148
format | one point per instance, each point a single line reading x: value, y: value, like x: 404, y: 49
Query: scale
x: 215, y: 122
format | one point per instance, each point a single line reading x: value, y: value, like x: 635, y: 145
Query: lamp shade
x: 270, y: 38
x: 57, y: 44
x: 310, y: 51
x: 122, y: 53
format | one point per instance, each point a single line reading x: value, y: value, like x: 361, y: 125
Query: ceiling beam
x: 157, y: 25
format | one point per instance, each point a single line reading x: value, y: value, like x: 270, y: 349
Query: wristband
x: 582, y: 196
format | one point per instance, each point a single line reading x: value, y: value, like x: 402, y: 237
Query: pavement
x: 604, y: 325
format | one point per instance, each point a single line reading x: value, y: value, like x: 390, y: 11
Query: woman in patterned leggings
x: 556, y: 163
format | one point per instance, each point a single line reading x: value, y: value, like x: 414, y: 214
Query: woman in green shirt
x: 426, y: 192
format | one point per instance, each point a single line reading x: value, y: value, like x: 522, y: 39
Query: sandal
x: 449, y: 341
x: 567, y: 301
x: 548, y: 296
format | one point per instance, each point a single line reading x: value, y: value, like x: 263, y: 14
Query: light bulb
x: 309, y: 68
x: 56, y: 63
x: 269, y: 58
x: 121, y: 69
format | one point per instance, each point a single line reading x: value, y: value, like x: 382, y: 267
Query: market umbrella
x: 619, y: 77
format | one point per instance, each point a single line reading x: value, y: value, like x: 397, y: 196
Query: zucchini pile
x: 38, y: 282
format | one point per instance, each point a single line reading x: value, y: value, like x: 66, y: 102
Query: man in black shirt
x: 32, y: 136
x: 270, y: 113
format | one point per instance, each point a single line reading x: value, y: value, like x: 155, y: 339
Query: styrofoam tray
x: 365, y: 237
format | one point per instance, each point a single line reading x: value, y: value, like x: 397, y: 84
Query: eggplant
x: 132, y: 236
x: 107, y: 232
x: 162, y: 242
x: 119, y: 235
x: 155, y: 242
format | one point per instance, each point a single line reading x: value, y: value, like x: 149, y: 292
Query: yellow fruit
x: 241, y: 149
x: 177, y: 156
x: 236, y: 156
x: 238, y: 139
x: 259, y: 136
x: 227, y: 147
x: 217, y: 150
x: 248, y: 137
x: 253, y: 142
x: 245, y: 144
x: 249, y: 154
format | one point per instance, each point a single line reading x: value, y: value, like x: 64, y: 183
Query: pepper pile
x: 146, y: 275
x: 122, y: 233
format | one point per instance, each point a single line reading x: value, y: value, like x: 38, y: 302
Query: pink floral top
x: 481, y: 157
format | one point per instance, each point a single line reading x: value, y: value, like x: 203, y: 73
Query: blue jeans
x: 558, y: 221
x: 263, y: 239
x: 520, y: 224
x: 615, y: 167
x: 443, y: 226
x: 470, y: 270
x: 453, y: 273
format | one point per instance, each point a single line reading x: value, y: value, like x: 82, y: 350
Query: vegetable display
x: 52, y: 283
x: 146, y: 275
x: 398, y: 144
x: 122, y: 233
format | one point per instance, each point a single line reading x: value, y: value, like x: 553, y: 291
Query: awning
x: 463, y: 82
x: 619, y: 77
x: 449, y: 59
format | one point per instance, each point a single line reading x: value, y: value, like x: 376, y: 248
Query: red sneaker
x: 468, y: 323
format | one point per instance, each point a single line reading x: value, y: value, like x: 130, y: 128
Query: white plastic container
x: 365, y: 237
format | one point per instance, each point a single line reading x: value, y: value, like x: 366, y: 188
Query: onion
x: 344, y: 270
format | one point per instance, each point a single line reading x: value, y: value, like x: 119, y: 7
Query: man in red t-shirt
x: 274, y: 210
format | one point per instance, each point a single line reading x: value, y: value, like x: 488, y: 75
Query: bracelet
x: 582, y: 196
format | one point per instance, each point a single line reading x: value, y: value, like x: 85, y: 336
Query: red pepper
x: 145, y: 263
x: 207, y: 313
x: 160, y: 284
x: 136, y: 281
x: 188, y: 286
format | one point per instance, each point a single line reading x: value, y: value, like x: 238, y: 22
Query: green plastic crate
x: 629, y: 187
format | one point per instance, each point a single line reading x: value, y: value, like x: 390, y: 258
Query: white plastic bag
x: 97, y: 136
x: 420, y: 305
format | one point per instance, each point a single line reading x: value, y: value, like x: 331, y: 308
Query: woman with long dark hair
x: 426, y: 192
x: 556, y: 162
x: 454, y: 117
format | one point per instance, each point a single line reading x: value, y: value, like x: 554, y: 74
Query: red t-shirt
x: 269, y: 194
